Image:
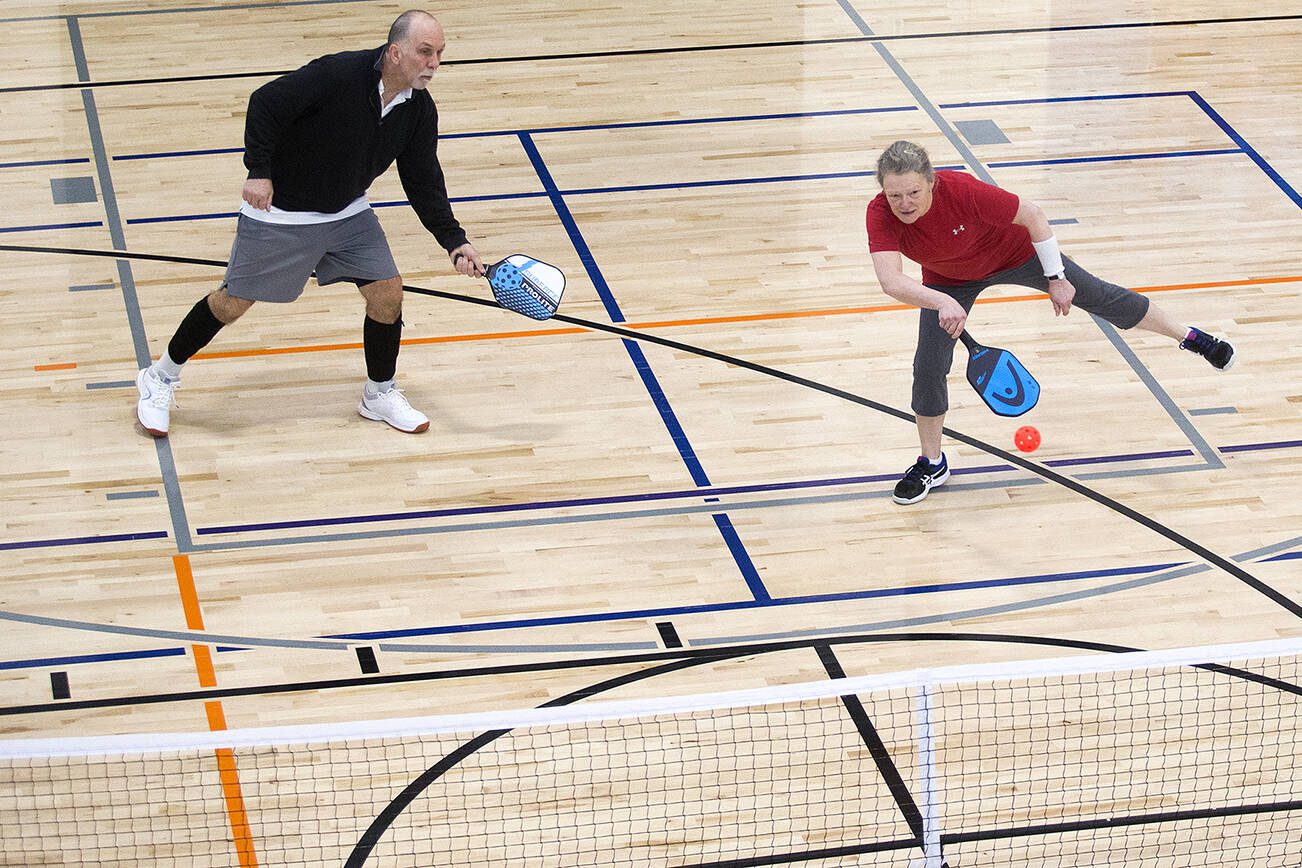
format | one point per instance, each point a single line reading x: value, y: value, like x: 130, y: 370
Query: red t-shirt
x: 967, y: 234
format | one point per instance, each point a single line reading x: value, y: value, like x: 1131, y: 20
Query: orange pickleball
x: 1027, y: 438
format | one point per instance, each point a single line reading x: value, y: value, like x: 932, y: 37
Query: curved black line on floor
x: 698, y: 654
x: 692, y: 49
x: 1040, y: 470
x: 390, y: 813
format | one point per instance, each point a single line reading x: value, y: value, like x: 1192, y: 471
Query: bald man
x: 314, y: 141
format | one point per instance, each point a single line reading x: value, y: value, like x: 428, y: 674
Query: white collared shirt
x: 399, y: 98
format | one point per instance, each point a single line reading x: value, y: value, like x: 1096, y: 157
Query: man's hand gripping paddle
x: 999, y: 378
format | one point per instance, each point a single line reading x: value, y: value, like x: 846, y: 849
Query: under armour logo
x: 961, y: 228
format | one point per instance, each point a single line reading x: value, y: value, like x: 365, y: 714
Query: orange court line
x: 712, y: 320
x: 227, y: 772
x: 61, y: 366
x: 235, y: 811
x: 189, y: 597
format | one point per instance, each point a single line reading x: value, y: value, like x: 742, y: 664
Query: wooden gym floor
x: 585, y: 504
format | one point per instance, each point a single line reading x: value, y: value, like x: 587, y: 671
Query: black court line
x: 696, y: 49
x: 59, y: 685
x: 1211, y: 557
x: 668, y: 635
x: 394, y: 809
x: 701, y: 655
x: 385, y: 819
x: 876, y: 747
x: 1121, y: 821
x: 366, y: 660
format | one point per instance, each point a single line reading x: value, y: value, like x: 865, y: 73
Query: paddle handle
x: 969, y: 341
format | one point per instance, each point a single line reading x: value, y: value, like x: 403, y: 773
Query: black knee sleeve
x: 195, y: 331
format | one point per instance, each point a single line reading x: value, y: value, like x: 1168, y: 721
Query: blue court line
x: 1102, y: 97
x: 579, y: 243
x: 203, y: 152
x: 83, y: 540
x: 667, y: 415
x: 1120, y: 158
x: 31, y: 163
x: 41, y: 662
x: 1247, y: 148
x: 742, y: 557
x: 729, y: 182
x: 1289, y: 556
x: 721, y: 119
x: 740, y: 605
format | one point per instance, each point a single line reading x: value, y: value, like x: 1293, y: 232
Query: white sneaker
x: 155, y: 404
x: 393, y: 408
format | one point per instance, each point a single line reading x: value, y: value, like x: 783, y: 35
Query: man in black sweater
x: 314, y: 140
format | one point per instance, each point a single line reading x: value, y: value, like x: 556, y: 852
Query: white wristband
x: 1050, y: 256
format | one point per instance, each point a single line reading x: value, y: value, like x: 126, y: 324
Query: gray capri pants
x: 1122, y: 307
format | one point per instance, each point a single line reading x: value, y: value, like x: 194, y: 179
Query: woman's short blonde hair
x: 903, y: 157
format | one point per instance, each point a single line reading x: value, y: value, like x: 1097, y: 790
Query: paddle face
x: 1000, y: 379
x: 526, y: 285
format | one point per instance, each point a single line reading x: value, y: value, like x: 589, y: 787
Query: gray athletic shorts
x: 1122, y: 307
x: 273, y: 261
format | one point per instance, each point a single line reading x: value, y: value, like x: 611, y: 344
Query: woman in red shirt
x: 968, y: 235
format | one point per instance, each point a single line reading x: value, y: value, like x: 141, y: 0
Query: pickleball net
x: 1187, y: 757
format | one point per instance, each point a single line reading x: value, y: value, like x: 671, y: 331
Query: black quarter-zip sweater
x: 316, y: 133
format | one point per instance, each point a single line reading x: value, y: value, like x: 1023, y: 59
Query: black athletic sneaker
x: 921, y: 478
x: 1214, y: 350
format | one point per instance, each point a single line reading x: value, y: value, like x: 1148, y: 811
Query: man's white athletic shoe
x: 392, y: 407
x: 155, y: 404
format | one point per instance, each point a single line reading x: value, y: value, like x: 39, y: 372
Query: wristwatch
x: 1062, y: 275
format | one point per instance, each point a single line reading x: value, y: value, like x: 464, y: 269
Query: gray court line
x: 958, y: 615
x: 1213, y: 411
x: 192, y: 636
x: 712, y: 506
x: 1003, y: 609
x: 932, y: 110
x: 205, y: 638
x: 1205, y: 449
x: 130, y: 298
x: 200, y: 637
x: 979, y: 169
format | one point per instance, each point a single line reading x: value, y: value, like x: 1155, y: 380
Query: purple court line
x: 83, y: 540
x: 646, y: 497
x: 27, y: 164
x: 87, y: 225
